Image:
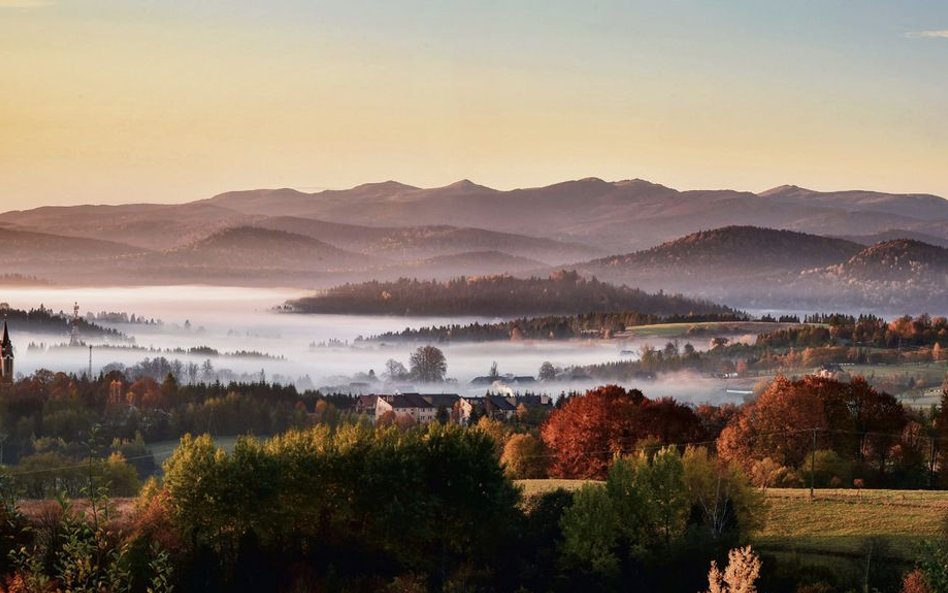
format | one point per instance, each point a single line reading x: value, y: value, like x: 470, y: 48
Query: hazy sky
x: 172, y: 100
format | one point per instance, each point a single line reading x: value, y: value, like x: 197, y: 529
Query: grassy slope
x: 841, y: 520
x: 708, y: 329
x: 837, y: 521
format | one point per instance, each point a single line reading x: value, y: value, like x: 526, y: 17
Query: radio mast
x: 74, y: 340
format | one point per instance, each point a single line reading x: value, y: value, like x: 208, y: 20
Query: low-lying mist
x: 309, y: 350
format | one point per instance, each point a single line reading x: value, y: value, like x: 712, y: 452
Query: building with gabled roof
x: 422, y: 408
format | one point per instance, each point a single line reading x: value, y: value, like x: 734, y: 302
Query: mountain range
x: 743, y: 248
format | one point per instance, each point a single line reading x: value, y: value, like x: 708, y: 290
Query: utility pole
x: 90, y: 362
x: 813, y: 465
x: 931, y: 464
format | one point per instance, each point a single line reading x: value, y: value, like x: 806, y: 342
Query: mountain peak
x: 466, y: 185
x: 389, y: 185
x: 785, y: 190
x: 639, y: 183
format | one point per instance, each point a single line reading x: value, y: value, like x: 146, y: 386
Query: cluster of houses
x: 446, y: 407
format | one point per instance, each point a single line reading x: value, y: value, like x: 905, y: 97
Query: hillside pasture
x: 836, y: 522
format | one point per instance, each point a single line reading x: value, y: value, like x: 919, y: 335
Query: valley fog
x: 311, y: 351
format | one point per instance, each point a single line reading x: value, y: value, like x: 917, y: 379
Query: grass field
x: 706, y: 329
x: 835, y: 522
x: 841, y: 520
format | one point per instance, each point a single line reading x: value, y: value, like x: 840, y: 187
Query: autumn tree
x: 773, y: 426
x: 524, y: 457
x: 428, y: 365
x: 497, y: 430
x: 589, y: 430
x: 851, y: 418
x: 672, y: 422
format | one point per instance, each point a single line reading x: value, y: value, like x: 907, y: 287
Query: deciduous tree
x: 428, y: 365
x: 524, y: 457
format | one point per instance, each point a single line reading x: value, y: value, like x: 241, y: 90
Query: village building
x: 413, y: 405
x: 365, y: 404
x: 447, y: 407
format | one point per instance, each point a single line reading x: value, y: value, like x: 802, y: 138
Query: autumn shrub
x: 914, y: 582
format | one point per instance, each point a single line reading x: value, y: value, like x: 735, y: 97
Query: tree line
x: 552, y: 327
x: 561, y: 293
x: 381, y: 509
x: 45, y: 321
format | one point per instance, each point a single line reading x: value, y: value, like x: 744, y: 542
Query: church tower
x: 6, y: 356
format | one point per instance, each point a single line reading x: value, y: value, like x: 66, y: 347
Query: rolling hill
x: 725, y: 253
x: 901, y: 275
x: 24, y: 248
x: 147, y: 226
x: 477, y: 263
x: 415, y: 243
x: 750, y: 267
x: 562, y: 292
x: 251, y: 248
x: 894, y: 234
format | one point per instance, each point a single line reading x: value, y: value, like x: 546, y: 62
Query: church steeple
x: 6, y: 356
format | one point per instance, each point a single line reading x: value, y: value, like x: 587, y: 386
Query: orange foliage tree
x: 586, y: 434
x: 851, y: 418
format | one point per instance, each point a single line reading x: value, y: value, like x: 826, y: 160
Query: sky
x: 116, y: 101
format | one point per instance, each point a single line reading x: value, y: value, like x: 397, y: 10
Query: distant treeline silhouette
x: 564, y: 292
x: 43, y: 320
x: 550, y: 327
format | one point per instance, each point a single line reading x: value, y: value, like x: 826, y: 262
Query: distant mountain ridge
x: 786, y: 246
x: 753, y: 267
x: 617, y: 217
x: 622, y: 215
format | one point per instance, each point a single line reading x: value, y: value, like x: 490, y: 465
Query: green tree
x: 590, y: 530
x: 662, y: 483
x: 723, y: 494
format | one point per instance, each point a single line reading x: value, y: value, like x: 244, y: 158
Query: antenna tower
x: 74, y: 340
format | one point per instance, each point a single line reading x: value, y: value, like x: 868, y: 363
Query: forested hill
x: 45, y: 321
x: 725, y: 255
x: 562, y: 293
